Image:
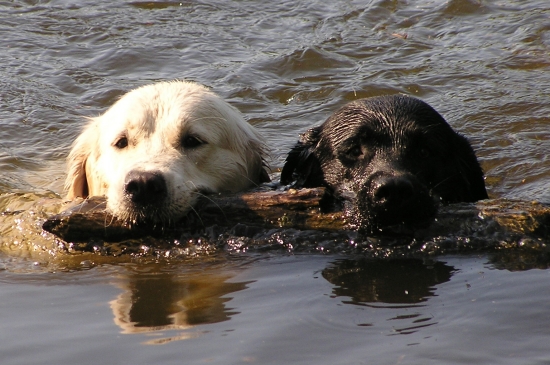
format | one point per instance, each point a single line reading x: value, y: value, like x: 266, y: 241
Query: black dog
x: 393, y: 159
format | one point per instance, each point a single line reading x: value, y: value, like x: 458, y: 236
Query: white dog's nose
x: 145, y: 187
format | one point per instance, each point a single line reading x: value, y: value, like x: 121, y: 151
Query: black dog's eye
x: 424, y: 153
x: 354, y: 152
x: 121, y: 143
x: 350, y: 154
x: 191, y: 141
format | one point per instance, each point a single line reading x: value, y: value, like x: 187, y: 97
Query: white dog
x: 160, y: 147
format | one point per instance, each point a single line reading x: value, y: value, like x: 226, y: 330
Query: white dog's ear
x: 76, y: 182
x: 257, y: 152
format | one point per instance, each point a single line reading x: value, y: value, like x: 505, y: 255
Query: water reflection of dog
x: 158, y: 301
x: 403, y: 281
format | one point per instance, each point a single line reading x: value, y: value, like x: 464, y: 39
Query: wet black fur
x: 394, y: 158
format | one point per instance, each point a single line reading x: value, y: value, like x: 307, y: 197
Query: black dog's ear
x: 301, y: 165
x: 470, y: 171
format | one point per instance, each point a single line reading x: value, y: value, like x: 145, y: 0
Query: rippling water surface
x: 286, y: 65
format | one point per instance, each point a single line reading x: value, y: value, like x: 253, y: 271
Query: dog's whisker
x: 113, y: 218
x: 447, y: 178
x: 196, y: 191
x: 197, y: 214
x: 211, y: 200
x: 252, y: 182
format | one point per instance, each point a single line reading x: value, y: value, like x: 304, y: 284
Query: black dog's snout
x: 390, y: 199
x: 392, y: 190
x: 145, y: 187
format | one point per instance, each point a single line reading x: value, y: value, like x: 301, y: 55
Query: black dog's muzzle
x: 389, y: 199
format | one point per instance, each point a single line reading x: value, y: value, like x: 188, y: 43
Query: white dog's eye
x: 191, y: 141
x: 121, y: 143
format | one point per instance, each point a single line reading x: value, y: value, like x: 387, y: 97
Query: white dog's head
x: 161, y: 146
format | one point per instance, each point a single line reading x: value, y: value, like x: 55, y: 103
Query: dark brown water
x: 484, y: 65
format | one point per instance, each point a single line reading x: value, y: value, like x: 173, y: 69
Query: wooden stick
x: 304, y: 209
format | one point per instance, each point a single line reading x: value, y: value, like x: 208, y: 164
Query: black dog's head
x: 394, y: 158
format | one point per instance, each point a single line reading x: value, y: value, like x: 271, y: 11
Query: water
x: 286, y: 65
x: 278, y: 310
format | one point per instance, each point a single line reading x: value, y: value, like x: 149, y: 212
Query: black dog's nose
x: 393, y: 190
x: 145, y: 187
x: 397, y: 199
